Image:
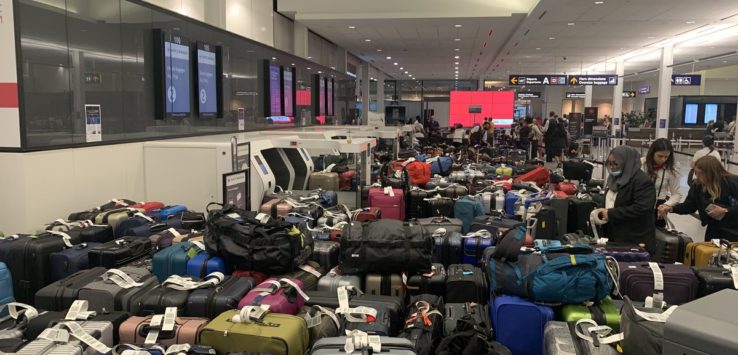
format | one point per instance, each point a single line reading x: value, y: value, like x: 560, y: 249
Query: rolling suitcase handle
x: 75, y: 330
x: 13, y: 310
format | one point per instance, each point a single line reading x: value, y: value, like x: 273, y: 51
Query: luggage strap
x: 276, y: 285
x: 365, y: 314
x: 329, y: 168
x: 13, y: 310
x: 424, y: 311
x: 315, y: 320
x: 65, y: 237
x: 78, y: 311
x: 120, y: 278
x: 176, y: 282
x: 657, y: 301
x: 161, y: 322
x: 75, y: 330
x: 139, y: 214
x: 136, y: 350
x: 358, y: 340
x: 598, y: 334
x: 253, y: 314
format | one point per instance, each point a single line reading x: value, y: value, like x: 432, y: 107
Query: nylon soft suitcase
x: 118, y: 290
x: 92, y: 233
x: 330, y: 282
x: 186, y: 331
x: 368, y: 214
x: 70, y: 260
x: 395, y: 305
x: 432, y: 283
x: 454, y: 191
x: 624, y: 253
x: 440, y: 207
x: 637, y: 282
x: 603, y: 312
x: 579, y: 211
x: 713, y: 279
x: 324, y: 180
x: 113, y: 217
x: 203, y: 264
x: 385, y: 285
x: 466, y: 283
x: 211, y: 301
x: 171, y: 261
x: 474, y: 245
x: 519, y: 324
x: 494, y: 224
x: 322, y: 322
x: 326, y: 253
x: 272, y: 333
x: 120, y: 252
x: 670, y: 246
x: 165, y: 212
x: 335, y: 346
x: 560, y: 338
x: 308, y: 273
x: 390, y: 201
x: 455, y: 311
x: 450, y: 225
x: 60, y: 295
x: 547, y: 227
x: 137, y: 220
x: 466, y: 209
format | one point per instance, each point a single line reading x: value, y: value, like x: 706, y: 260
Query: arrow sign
x: 573, y: 80
x: 514, y: 80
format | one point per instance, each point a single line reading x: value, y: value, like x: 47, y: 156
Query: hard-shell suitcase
x: 417, y: 205
x: 324, y: 180
x: 390, y: 201
x: 447, y: 247
x: 164, y: 239
x: 466, y: 209
x: 704, y: 326
x: 604, y: 313
x: 474, y: 245
x: 440, y: 207
x: 165, y: 212
x: 699, y: 254
x: 118, y: 290
x: 560, y: 206
x: 49, y: 319
x: 519, y: 324
x: 466, y: 283
x: 637, y: 282
x: 113, y: 217
x: 70, y: 260
x: 453, y: 191
x: 547, y: 226
x: 561, y: 339
x: 330, y: 282
x: 385, y: 285
x: 432, y: 283
x: 203, y: 264
x: 211, y: 301
x: 89, y: 233
x: 276, y: 208
x: 380, y: 325
x: 326, y: 253
x: 624, y: 253
x: 274, y: 333
x: 579, y: 211
x: 6, y: 287
x: 60, y: 295
x: 670, y: 246
x: 100, y: 332
x: 368, y: 214
x: 494, y: 224
x: 713, y: 279
x: 389, y: 345
x: 322, y: 322
x: 455, y: 311
x: 161, y: 297
x: 171, y: 261
x: 120, y: 252
x: 395, y: 305
x: 186, y: 331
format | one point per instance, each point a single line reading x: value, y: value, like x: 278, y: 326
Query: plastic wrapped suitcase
x: 432, y: 283
x: 186, y: 331
x: 704, y: 326
x: 390, y: 201
x: 713, y: 279
x: 624, y: 253
x: 603, y: 312
x: 456, y: 311
x: 670, y: 246
x: 120, y: 252
x: 561, y: 339
x: 330, y: 282
x: 324, y: 180
x: 335, y: 346
x: 60, y: 295
x: 466, y: 283
x: 385, y: 285
x: 118, y: 290
x: 276, y: 208
x: 326, y: 253
x: 637, y: 282
x: 519, y: 324
x: 203, y: 264
x: 70, y: 260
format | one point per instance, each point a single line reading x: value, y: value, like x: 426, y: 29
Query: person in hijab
x: 628, y: 215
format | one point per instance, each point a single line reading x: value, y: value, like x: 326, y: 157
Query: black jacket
x: 632, y: 219
x: 697, y: 200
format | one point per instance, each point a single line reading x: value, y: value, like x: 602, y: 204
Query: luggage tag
x: 734, y: 275
x: 55, y: 335
x: 81, y: 335
x: 159, y: 323
x: 120, y: 278
x: 78, y: 311
x: 65, y: 237
x: 13, y: 310
x: 657, y: 301
x: 309, y: 269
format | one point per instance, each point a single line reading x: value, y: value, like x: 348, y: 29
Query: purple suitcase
x: 281, y: 296
x: 636, y: 282
x: 624, y: 253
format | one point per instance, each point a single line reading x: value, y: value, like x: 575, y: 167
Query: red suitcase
x: 346, y: 180
x: 540, y: 176
x: 567, y: 187
x: 388, y: 200
x: 149, y: 206
x: 368, y: 214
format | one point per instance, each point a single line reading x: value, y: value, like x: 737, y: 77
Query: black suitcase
x: 560, y: 206
x: 495, y: 224
x: 120, y: 252
x: 92, y: 234
x: 579, y: 211
x: 455, y: 311
x: 440, y: 207
x: 326, y: 253
x: 447, y: 248
x: 28, y: 261
x: 159, y: 298
x: 212, y: 301
x: 50, y: 318
x: 670, y: 246
x: 60, y: 295
x: 454, y: 191
x: 451, y: 225
x: 547, y: 226
x: 395, y: 305
x: 417, y: 206
x: 466, y: 283
x: 712, y: 279
x: 433, y: 283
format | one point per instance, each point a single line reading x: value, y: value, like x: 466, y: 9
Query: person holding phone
x: 628, y: 216
x: 714, y: 195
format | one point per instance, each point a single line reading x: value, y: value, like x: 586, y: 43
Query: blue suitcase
x: 130, y: 223
x: 447, y: 248
x: 149, y: 229
x: 518, y: 324
x: 162, y: 214
x: 70, y: 260
x: 171, y: 261
x: 511, y: 197
x: 203, y: 264
x: 474, y: 249
x: 6, y: 288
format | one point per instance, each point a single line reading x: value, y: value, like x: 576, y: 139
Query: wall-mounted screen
x: 711, y: 111
x: 496, y: 104
x: 329, y: 108
x: 207, y: 81
x: 690, y: 113
x: 321, y: 95
x: 275, y: 90
x: 289, y: 101
x: 172, y: 68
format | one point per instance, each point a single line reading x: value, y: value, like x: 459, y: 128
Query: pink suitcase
x: 277, y: 293
x: 391, y: 204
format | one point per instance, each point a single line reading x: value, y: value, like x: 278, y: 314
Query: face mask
x: 615, y: 173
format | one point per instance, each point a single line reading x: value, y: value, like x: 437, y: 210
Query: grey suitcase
x: 105, y: 295
x: 325, y: 181
x: 331, y: 282
x: 705, y: 326
x: 559, y: 339
x: 335, y: 346
x: 384, y: 285
x: 102, y: 331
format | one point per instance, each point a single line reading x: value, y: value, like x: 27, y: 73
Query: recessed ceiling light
x: 690, y: 22
x: 456, y: 49
x: 457, y: 26
x: 456, y: 57
x: 352, y: 27
x: 651, y: 37
x: 551, y: 37
x: 538, y: 48
x: 401, y: 68
x: 274, y: 58
x: 406, y: 72
x: 395, y: 63
x: 367, y: 40
x: 293, y: 64
x: 379, y: 50
x: 320, y: 72
x: 456, y: 72
x: 599, y: 2
x: 457, y: 39
x: 570, y: 24
x: 309, y: 68
x: 389, y: 58
x: 457, y: 68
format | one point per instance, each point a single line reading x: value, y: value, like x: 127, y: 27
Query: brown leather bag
x: 186, y: 331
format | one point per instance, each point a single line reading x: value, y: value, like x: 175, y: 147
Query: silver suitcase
x: 335, y: 346
x: 708, y: 325
x: 559, y: 339
x: 102, y: 331
x: 331, y: 282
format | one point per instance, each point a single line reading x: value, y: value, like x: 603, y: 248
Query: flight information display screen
x: 275, y: 90
x: 177, y: 77
x: 329, y: 111
x: 207, y: 81
x: 288, y: 98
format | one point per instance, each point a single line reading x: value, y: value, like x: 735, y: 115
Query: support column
x: 365, y: 97
x: 588, y: 96
x: 380, y: 93
x: 664, y: 93
x: 617, y: 100
x: 480, y: 84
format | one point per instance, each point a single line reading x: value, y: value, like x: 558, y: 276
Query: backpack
x: 466, y: 209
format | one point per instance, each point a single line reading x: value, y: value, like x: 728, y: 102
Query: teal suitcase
x: 172, y: 261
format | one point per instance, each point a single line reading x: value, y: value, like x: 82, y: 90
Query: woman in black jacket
x: 628, y: 216
x: 715, y: 197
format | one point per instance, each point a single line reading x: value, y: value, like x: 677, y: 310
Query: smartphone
x: 711, y: 207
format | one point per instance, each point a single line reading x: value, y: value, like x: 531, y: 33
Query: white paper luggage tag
x: 178, y: 349
x: 65, y: 237
x: 78, y: 311
x: 734, y: 275
x: 56, y: 335
x: 81, y: 335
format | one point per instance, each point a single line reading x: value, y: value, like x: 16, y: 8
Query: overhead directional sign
x: 629, y: 94
x: 593, y: 79
x: 645, y: 89
x: 537, y: 79
x: 574, y: 95
x: 686, y: 79
x: 528, y: 95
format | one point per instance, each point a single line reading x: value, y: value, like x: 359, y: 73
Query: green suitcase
x: 277, y: 333
x: 604, y: 313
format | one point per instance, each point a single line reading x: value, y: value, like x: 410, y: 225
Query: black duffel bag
x: 271, y: 247
x: 387, y: 246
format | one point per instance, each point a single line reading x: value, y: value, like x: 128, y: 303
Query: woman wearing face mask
x: 628, y: 216
x: 659, y: 165
x: 714, y: 195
